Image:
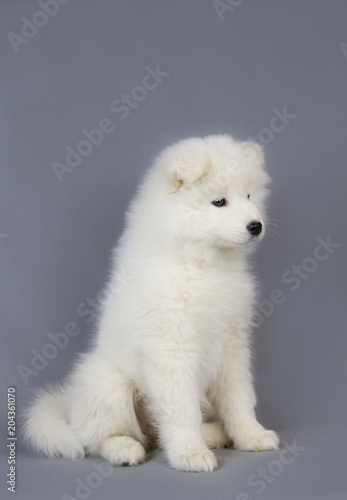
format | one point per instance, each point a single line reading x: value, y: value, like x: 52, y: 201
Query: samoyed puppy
x: 171, y: 360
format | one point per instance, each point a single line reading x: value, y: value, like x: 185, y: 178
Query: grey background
x: 55, y: 242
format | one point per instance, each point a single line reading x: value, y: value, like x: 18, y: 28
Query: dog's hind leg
x: 122, y: 450
x: 102, y: 412
x: 214, y: 435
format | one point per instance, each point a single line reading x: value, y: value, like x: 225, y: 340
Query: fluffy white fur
x: 171, y: 360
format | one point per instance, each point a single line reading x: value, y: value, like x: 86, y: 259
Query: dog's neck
x: 205, y: 255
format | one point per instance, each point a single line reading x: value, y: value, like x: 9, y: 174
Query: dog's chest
x: 215, y: 300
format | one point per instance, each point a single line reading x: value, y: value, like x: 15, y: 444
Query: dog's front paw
x: 259, y: 440
x: 198, y: 460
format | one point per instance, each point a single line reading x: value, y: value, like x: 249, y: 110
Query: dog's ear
x: 185, y: 163
x: 189, y: 169
x: 254, y: 152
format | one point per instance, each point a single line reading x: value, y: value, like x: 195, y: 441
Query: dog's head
x: 216, y: 187
x: 212, y: 192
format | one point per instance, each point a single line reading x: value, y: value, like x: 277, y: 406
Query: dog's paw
x: 215, y: 435
x: 259, y: 440
x: 123, y: 450
x: 200, y: 460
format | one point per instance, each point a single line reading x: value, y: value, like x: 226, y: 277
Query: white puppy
x: 172, y: 357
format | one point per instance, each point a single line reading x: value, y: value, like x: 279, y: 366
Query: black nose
x: 255, y: 228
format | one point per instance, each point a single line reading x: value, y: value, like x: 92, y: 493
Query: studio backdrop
x: 90, y: 92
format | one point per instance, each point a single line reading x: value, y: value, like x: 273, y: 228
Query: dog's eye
x: 219, y: 203
x: 248, y: 196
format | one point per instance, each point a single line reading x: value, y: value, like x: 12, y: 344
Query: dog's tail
x: 46, y: 427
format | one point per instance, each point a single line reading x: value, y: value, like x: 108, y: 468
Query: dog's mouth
x: 248, y: 241
x: 228, y: 243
